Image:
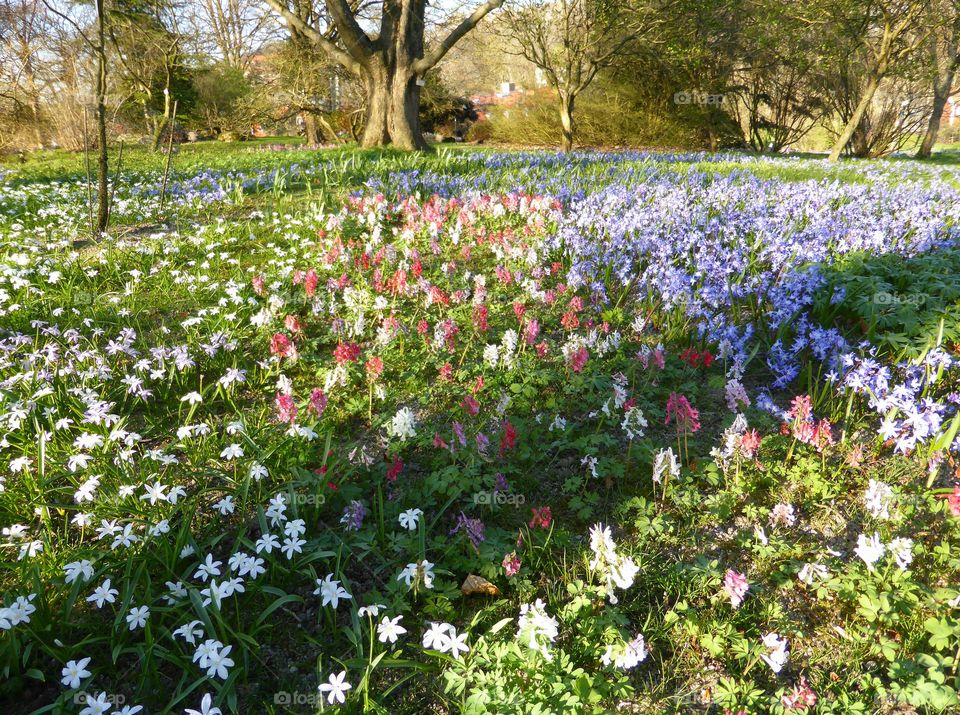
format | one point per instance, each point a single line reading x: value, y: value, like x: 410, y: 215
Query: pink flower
x: 579, y: 359
x: 736, y: 586
x: 257, y: 282
x: 374, y: 367
x: 823, y: 435
x: 346, y: 352
x: 531, y: 331
x: 318, y: 402
x: 750, y: 443
x: 509, y: 439
x: 804, y: 432
x: 541, y: 517
x: 801, y: 697
x: 953, y: 500
x: 470, y: 405
x: 292, y: 323
x: 801, y: 408
x: 393, y: 471
x: 511, y: 564
x: 658, y: 359
x: 286, y: 408
x: 281, y: 345
x: 682, y: 412
x: 310, y: 283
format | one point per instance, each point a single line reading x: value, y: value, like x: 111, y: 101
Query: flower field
x: 481, y: 432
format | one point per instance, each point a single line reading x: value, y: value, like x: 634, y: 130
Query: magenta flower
x: 511, y: 564
x: 286, y: 408
x: 736, y: 586
x: 684, y: 415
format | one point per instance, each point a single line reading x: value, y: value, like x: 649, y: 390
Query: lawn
x: 480, y: 432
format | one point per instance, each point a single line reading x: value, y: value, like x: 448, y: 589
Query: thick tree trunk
x: 310, y: 131
x: 393, y: 110
x: 377, y: 87
x: 856, y: 118
x: 941, y: 93
x: 388, y: 63
x: 567, y: 127
x: 403, y: 118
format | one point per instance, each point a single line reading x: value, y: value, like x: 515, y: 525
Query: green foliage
x: 904, y: 305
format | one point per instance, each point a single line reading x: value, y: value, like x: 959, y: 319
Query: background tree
x: 944, y: 49
x: 148, y: 46
x: 889, y: 32
x: 771, y: 93
x: 390, y: 63
x: 24, y: 36
x: 700, y: 53
x: 96, y: 40
x: 233, y: 31
x: 570, y: 41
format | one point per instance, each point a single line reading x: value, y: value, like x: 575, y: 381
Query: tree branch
x: 334, y: 52
x: 354, y: 38
x: 431, y: 59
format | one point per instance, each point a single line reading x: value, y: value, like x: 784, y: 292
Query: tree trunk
x: 164, y: 121
x: 330, y: 131
x: 941, y: 93
x: 856, y: 118
x: 377, y: 89
x: 310, y: 132
x: 388, y: 63
x: 103, y: 197
x: 393, y: 109
x: 403, y: 118
x: 567, y: 127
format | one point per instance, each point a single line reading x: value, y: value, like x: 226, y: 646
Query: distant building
x: 951, y: 112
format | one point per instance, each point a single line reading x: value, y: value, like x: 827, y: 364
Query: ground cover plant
x: 480, y: 432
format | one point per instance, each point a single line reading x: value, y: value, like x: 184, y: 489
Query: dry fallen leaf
x: 474, y: 584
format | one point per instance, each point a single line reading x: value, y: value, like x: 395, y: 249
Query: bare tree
x: 892, y: 32
x: 147, y: 43
x: 944, y: 44
x: 237, y: 29
x: 96, y: 41
x: 24, y: 26
x: 570, y: 41
x: 390, y: 63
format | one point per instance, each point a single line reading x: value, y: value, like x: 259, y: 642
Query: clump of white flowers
x: 634, y: 423
x: 778, y: 651
x: 665, y: 463
x: 626, y: 656
x: 619, y: 571
x: 878, y: 499
x: 870, y: 549
x: 403, y: 426
x: 537, y: 628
